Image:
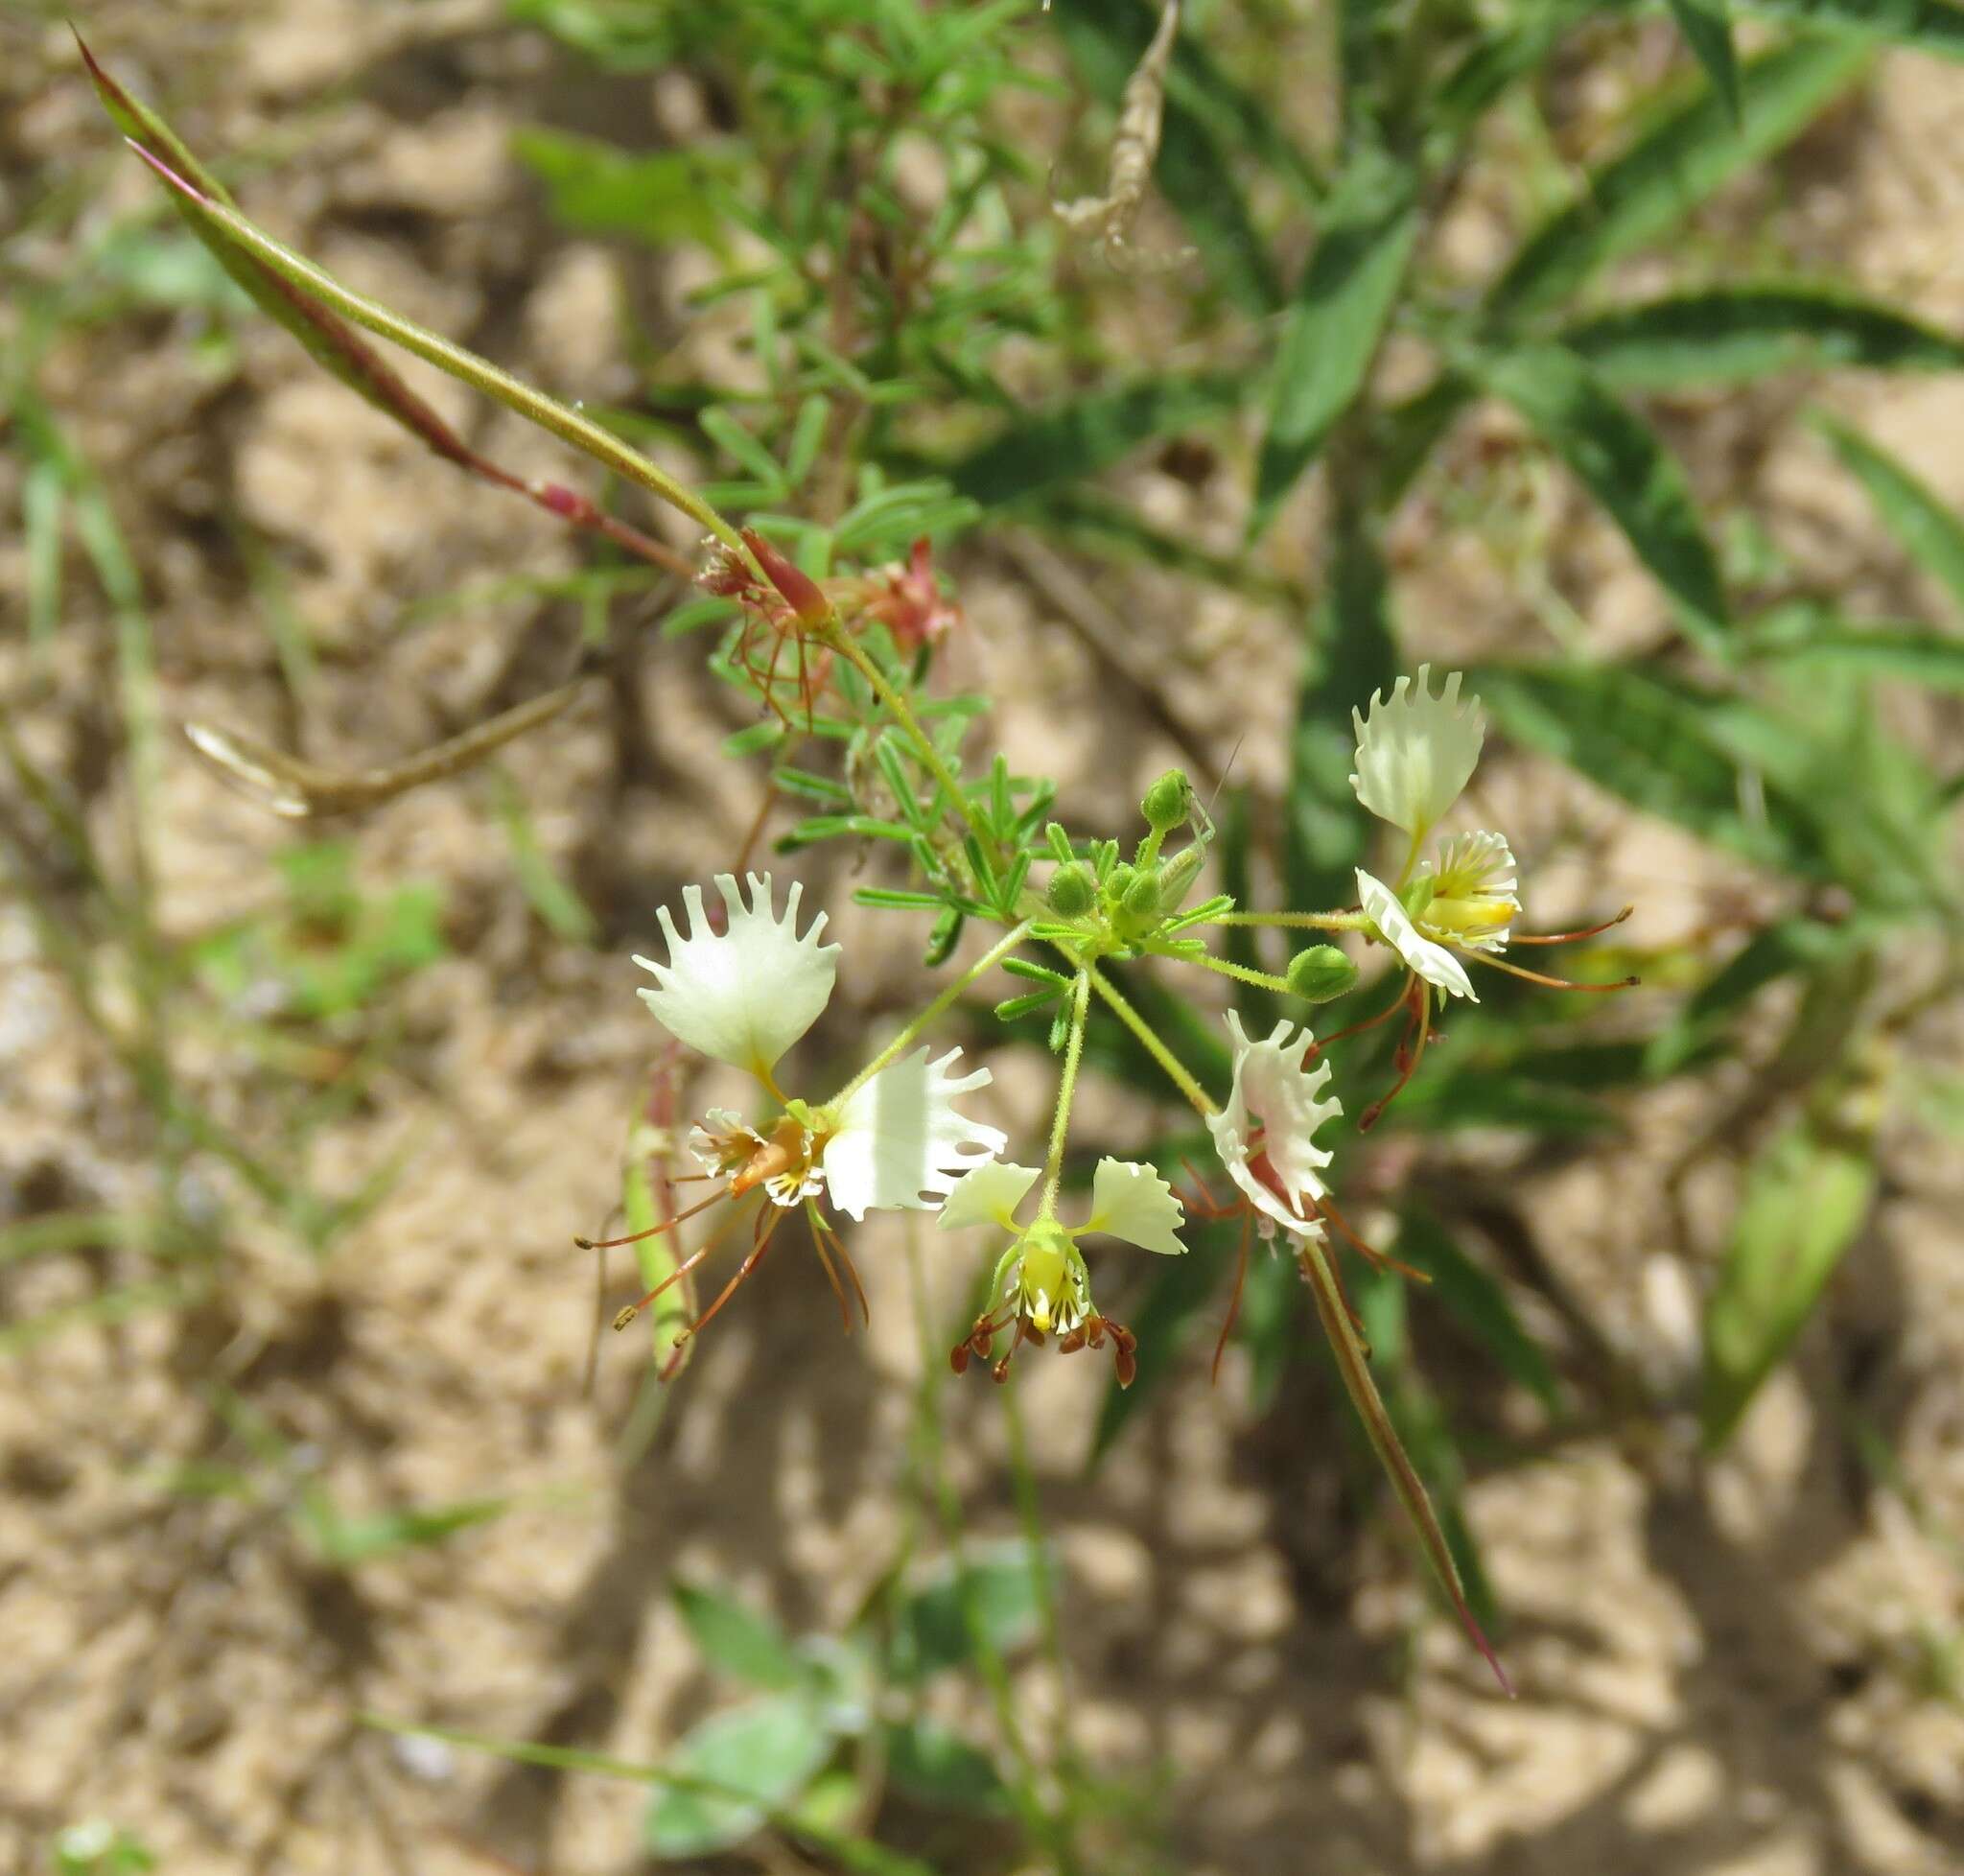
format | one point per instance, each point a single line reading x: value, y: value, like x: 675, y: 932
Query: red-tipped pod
x: 800, y: 591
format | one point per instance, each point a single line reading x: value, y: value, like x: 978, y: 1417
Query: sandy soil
x: 1721, y: 1665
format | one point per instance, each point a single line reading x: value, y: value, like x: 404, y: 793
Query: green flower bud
x: 1120, y: 878
x: 1167, y: 800
x: 1320, y: 974
x: 1141, y: 898
x: 1072, y: 891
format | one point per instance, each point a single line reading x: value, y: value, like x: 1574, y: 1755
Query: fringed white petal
x: 1272, y: 1112
x: 745, y: 996
x: 1437, y: 965
x: 900, y: 1144
x: 988, y: 1196
x: 1416, y: 752
x: 1132, y: 1202
x: 1475, y: 895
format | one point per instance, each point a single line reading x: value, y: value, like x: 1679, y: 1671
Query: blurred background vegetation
x: 1608, y: 352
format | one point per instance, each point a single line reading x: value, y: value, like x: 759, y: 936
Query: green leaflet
x: 738, y: 1640
x: 763, y: 1752
x: 1733, y: 335
x: 1618, y: 459
x: 1348, y: 288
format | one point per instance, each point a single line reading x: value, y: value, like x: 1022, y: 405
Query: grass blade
x: 1085, y: 434
x: 1708, y: 32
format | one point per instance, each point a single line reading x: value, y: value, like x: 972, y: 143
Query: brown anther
x: 999, y: 1374
x: 623, y: 1316
x: 958, y: 1358
x: 1069, y: 1345
x: 1124, y: 1366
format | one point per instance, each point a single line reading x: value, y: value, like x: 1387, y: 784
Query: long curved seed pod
x: 302, y: 790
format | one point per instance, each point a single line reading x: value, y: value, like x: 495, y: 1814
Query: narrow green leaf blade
x: 1927, y: 528
x: 1328, y: 833
x: 1708, y: 33
x: 1615, y: 455
x: 1735, y: 334
x: 1910, y: 656
x: 1670, y: 169
x: 1475, y: 1298
x: 1925, y: 25
x: 1653, y: 742
x: 1348, y: 288
x: 1805, y: 1201
x: 1085, y: 434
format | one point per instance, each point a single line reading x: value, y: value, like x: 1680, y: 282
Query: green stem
x: 1030, y: 1511
x: 1242, y: 973
x: 892, y: 1053
x: 1297, y: 921
x: 929, y: 1459
x: 1175, y: 1071
x: 1066, y: 1087
x: 480, y: 374
x: 835, y: 638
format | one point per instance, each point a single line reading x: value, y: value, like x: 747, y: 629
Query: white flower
x: 1129, y: 1201
x: 1473, y: 903
x: 746, y: 996
x: 898, y: 1143
x: 1416, y: 752
x: 1271, y: 1118
x: 1432, y: 962
x: 1042, y: 1276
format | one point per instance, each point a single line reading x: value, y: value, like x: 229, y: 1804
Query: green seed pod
x: 1320, y: 974
x: 1178, y: 875
x: 1141, y: 899
x: 1167, y: 800
x: 1072, y: 891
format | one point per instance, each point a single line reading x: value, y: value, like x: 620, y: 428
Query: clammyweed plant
x: 854, y: 455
